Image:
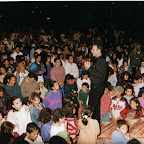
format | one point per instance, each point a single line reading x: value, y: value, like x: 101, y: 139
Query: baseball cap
x: 119, y: 88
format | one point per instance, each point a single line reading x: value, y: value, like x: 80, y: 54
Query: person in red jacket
x: 132, y: 111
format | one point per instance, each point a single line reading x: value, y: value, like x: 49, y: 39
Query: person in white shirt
x: 19, y: 115
x: 32, y: 132
x: 16, y: 53
x: 23, y: 73
x: 71, y: 68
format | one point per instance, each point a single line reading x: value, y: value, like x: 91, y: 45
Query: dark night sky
x: 81, y: 14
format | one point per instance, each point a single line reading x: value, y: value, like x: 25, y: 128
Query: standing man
x: 97, y: 75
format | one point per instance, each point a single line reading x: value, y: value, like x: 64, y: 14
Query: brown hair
x: 7, y: 127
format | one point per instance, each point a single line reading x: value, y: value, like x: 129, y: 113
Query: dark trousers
x: 95, y: 95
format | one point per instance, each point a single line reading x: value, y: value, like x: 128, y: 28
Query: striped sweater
x: 53, y: 100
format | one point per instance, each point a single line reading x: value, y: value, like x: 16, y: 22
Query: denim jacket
x: 34, y: 112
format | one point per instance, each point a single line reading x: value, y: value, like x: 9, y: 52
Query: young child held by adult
x: 35, y: 107
x: 118, y: 103
x: 70, y: 110
x: 45, y: 123
x: 105, y: 104
x: 83, y: 96
x: 120, y: 136
x: 43, y: 90
x: 59, y: 122
x: 32, y: 134
x: 53, y: 99
x: 132, y: 111
x: 88, y: 127
x: 128, y: 93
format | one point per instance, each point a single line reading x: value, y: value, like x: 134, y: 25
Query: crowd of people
x: 49, y: 92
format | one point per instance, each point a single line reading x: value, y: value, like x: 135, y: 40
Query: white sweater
x: 20, y: 119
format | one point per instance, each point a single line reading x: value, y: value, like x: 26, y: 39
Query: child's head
x: 67, y: 99
x: 69, y: 110
x: 85, y: 87
x: 107, y: 88
x: 85, y: 74
x: 137, y: 79
x: 122, y: 126
x: 57, y: 140
x: 7, y: 127
x: 58, y: 115
x: 41, y: 84
x: 134, y: 103
x: 112, y: 91
x: 35, y: 98
x: 129, y: 90
x: 32, y: 131
x: 119, y: 90
x: 87, y: 112
x: 54, y: 85
x: 45, y: 115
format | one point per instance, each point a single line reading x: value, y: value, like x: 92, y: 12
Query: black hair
x: 6, y: 137
x: 57, y: 58
x: 85, y: 84
x: 12, y: 99
x: 88, y: 110
x: 32, y: 75
x: 110, y: 71
x: 57, y: 140
x: 67, y: 99
x: 7, y: 127
x: 72, y: 77
x: 58, y: 114
x: 37, y: 56
x: 34, y: 95
x: 69, y: 55
x: 129, y: 86
x: 68, y: 110
x: 52, y: 84
x: 31, y: 127
x: 121, y: 122
x: 85, y: 72
x: 67, y: 77
x: 133, y: 141
x: 45, y: 115
x: 125, y: 60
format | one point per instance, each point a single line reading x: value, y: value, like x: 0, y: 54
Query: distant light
x: 113, y: 3
x: 66, y: 5
x: 48, y: 18
x: 36, y: 7
x: 33, y: 11
x: 40, y: 11
x: 0, y: 16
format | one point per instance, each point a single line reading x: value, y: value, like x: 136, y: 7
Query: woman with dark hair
x: 45, y: 122
x: 125, y: 67
x: 12, y: 88
x: 123, y: 79
x: 84, y: 78
x: 18, y: 115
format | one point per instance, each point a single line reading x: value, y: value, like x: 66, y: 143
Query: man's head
x: 96, y: 50
x: 17, y: 49
x: 57, y: 62
x: 38, y: 58
x: 70, y: 59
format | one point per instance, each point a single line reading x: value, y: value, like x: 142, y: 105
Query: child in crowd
x: 132, y: 111
x: 83, y: 96
x: 35, y: 107
x: 8, y: 127
x: 59, y: 123
x: 89, y: 128
x: 45, y: 122
x: 84, y: 78
x: 32, y: 134
x: 128, y: 93
x: 43, y: 90
x: 120, y: 136
x: 53, y: 99
x: 111, y: 92
x: 1, y: 118
x: 141, y: 100
x: 67, y: 99
x: 137, y: 85
x: 118, y: 103
x: 105, y: 104
x: 70, y: 110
